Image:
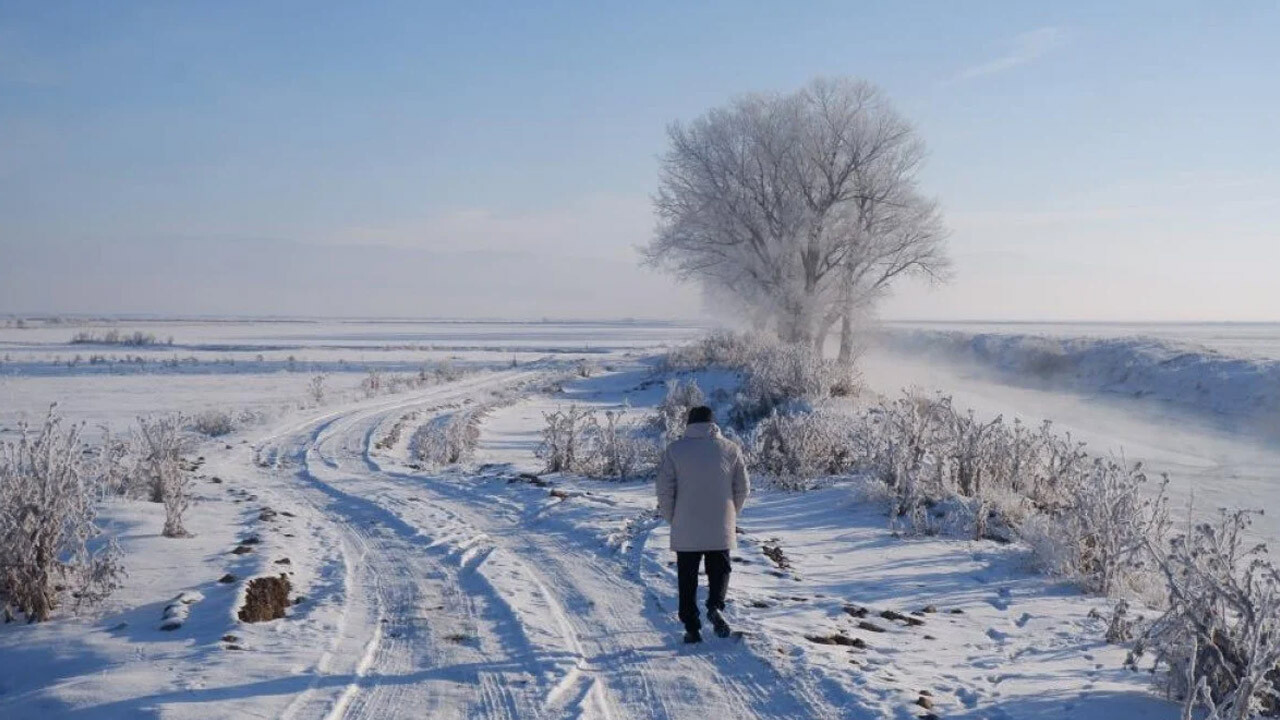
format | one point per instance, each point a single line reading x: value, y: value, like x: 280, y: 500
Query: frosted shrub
x: 1219, y: 638
x: 115, y: 462
x: 797, y: 448
x: 47, y: 523
x: 1055, y: 477
x: 621, y: 450
x: 450, y: 439
x: 161, y: 442
x: 721, y: 349
x: 316, y: 389
x: 777, y: 377
x: 213, y: 423
x: 674, y: 409
x: 566, y: 439
x: 1112, y: 524
x: 372, y: 383
x: 440, y: 373
x: 972, y: 448
x: 115, y: 337
x: 899, y: 442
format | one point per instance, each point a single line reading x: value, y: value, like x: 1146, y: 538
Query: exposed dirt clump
x: 530, y: 478
x: 837, y: 639
x: 899, y: 617
x: 774, y: 553
x: 265, y: 599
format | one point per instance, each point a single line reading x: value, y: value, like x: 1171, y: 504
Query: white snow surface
x: 472, y: 593
x: 1241, y: 389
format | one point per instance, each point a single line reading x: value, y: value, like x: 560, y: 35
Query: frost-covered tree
x: 48, y: 514
x: 803, y: 207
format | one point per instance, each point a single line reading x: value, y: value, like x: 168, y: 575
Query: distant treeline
x: 114, y: 337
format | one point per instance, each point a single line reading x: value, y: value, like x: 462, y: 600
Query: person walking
x: 702, y: 485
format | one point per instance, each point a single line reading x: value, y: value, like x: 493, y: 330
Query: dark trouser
x: 718, y: 569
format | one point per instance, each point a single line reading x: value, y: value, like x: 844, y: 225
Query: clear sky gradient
x: 1097, y: 160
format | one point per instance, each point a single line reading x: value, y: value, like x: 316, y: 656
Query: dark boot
x: 719, y: 623
x: 719, y: 567
x: 692, y: 636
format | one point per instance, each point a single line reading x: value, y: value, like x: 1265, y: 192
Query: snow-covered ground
x: 1250, y: 340
x: 1240, y: 392
x: 265, y: 366
x: 474, y: 593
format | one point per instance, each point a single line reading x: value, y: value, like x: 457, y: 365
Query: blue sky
x: 1096, y: 160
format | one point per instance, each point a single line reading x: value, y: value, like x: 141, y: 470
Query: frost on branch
x: 622, y: 450
x: 161, y: 442
x: 1219, y: 638
x: 213, y: 423
x: 1110, y: 526
x: 1083, y: 517
x: 47, y: 524
x: 674, y: 409
x: 778, y: 376
x: 564, y: 438
x: 316, y: 389
x: 450, y: 439
x: 575, y: 441
x: 794, y: 449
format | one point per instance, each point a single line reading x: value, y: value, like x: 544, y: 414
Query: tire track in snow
x: 377, y: 588
x: 555, y: 630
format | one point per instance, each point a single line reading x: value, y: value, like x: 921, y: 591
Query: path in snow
x: 455, y: 607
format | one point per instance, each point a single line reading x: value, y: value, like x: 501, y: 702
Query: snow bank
x: 1189, y: 376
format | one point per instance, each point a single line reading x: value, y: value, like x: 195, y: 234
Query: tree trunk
x: 845, y: 358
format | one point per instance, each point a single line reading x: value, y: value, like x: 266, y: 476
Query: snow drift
x: 1191, y: 377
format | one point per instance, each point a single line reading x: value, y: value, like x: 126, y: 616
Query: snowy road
x: 455, y: 607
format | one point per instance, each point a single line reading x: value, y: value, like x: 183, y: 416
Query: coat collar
x: 701, y: 430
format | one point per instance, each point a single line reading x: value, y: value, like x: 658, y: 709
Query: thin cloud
x: 1026, y: 47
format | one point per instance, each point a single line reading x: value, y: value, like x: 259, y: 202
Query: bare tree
x: 804, y: 206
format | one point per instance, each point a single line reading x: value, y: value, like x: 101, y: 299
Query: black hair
x: 701, y: 414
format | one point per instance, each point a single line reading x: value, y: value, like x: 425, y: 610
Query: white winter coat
x: 702, y: 485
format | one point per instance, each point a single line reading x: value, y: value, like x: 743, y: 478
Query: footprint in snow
x: 1023, y: 620
x: 968, y: 698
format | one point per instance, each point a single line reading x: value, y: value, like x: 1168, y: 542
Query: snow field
x: 472, y: 593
